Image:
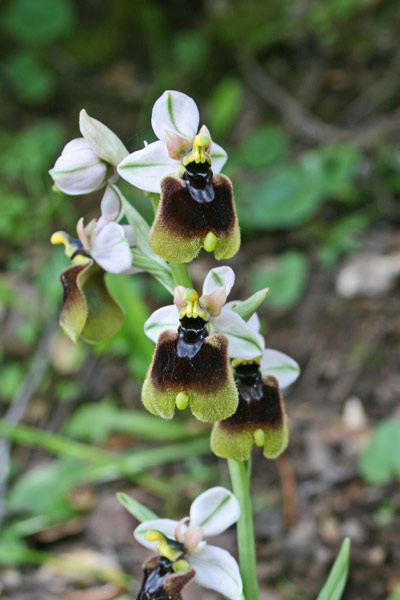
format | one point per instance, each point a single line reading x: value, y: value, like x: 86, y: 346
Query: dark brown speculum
x: 186, y: 359
x: 196, y: 205
x: 160, y: 582
x: 260, y: 401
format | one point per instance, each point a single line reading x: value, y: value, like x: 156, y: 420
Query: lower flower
x: 260, y: 417
x: 185, y: 554
x: 161, y: 582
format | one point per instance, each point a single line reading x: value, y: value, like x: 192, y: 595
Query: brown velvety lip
x: 205, y: 373
x: 253, y: 414
x: 186, y: 218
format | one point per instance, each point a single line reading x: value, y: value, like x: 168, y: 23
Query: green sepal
x: 88, y: 311
x: 247, y: 308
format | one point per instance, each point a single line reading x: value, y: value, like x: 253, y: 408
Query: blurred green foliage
x: 380, y: 461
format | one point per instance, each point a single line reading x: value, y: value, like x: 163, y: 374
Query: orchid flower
x: 103, y: 245
x: 104, y: 240
x: 244, y: 339
x: 88, y: 163
x: 175, y: 121
x: 260, y: 417
x: 195, y: 336
x: 182, y: 542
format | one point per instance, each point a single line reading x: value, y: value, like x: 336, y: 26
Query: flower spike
x: 183, y: 550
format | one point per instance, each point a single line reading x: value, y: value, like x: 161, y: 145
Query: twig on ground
x: 302, y: 121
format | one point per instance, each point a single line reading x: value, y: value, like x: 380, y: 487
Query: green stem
x: 181, y: 274
x: 239, y: 472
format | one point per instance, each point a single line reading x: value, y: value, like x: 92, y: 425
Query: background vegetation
x: 304, y: 95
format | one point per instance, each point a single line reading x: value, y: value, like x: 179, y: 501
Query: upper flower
x: 243, y: 340
x: 175, y: 121
x: 104, y: 240
x: 182, y: 543
x: 88, y: 163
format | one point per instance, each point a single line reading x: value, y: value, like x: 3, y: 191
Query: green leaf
x: 146, y: 259
x: 136, y: 508
x: 263, y: 146
x: 286, y: 276
x: 380, y: 461
x: 225, y: 106
x: 38, y: 21
x: 334, y: 587
x: 95, y: 422
x: 159, y: 271
x: 292, y: 193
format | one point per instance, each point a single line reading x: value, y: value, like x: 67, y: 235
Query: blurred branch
x: 14, y: 414
x: 301, y: 120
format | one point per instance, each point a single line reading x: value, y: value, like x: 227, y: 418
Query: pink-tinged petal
x: 176, y: 112
x: 104, y: 142
x: 218, y: 157
x: 161, y: 320
x: 218, y: 570
x: 218, y: 278
x: 215, y: 510
x: 214, y: 302
x: 146, y: 168
x: 79, y: 170
x: 205, y: 131
x: 176, y: 144
x: 111, y: 250
x: 129, y: 234
x: 244, y: 342
x: 281, y: 366
x: 179, y: 301
x: 165, y: 526
x: 111, y: 204
x: 80, y: 228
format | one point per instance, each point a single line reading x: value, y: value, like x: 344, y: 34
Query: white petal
x: 244, y: 342
x: 162, y: 319
x: 217, y: 278
x: 218, y: 570
x: 111, y: 204
x: 145, y: 168
x: 177, y: 112
x: 110, y: 249
x: 218, y: 157
x: 279, y: 365
x: 165, y: 526
x: 214, y: 511
x: 104, y: 142
x: 78, y: 170
x: 254, y: 321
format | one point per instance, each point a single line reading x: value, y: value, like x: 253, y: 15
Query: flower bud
x: 79, y: 170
